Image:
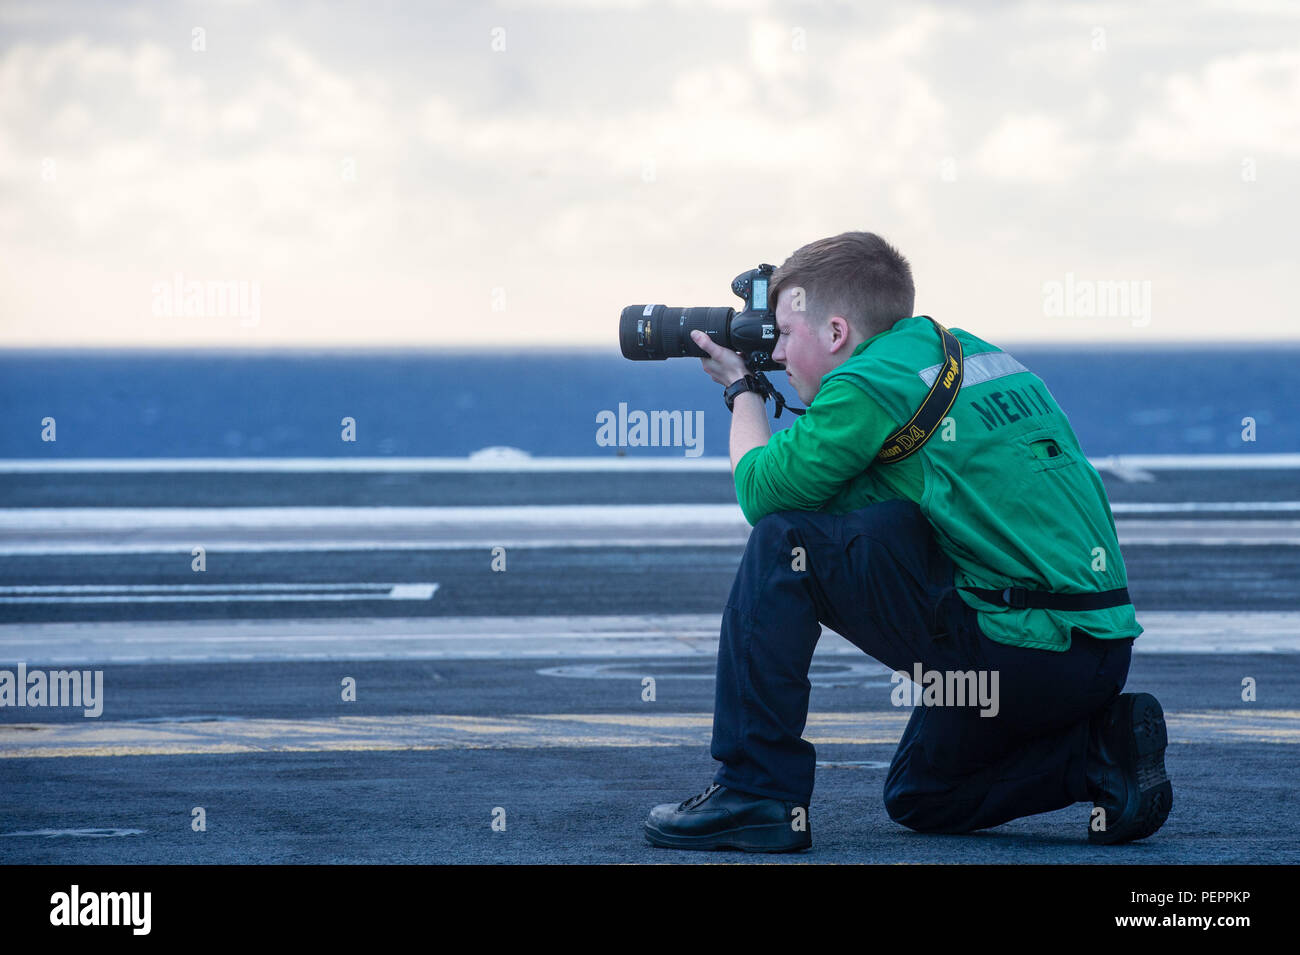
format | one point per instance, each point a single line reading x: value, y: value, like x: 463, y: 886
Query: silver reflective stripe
x: 977, y: 368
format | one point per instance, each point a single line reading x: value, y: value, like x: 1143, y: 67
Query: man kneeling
x: 972, y: 538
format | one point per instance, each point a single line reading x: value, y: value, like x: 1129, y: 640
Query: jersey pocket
x: 1044, y: 450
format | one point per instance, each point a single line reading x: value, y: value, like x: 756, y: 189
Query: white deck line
x: 1137, y: 462
x: 65, y: 594
x: 526, y: 516
x: 525, y: 638
x: 87, y: 531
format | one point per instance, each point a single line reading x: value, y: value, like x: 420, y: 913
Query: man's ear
x: 838, y: 327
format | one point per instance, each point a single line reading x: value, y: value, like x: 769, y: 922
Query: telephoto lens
x: 657, y: 332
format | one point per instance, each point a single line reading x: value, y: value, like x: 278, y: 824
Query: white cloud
x: 528, y: 170
x: 1242, y: 105
x: 1032, y: 148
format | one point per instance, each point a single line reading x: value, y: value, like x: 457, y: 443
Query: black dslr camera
x: 656, y: 332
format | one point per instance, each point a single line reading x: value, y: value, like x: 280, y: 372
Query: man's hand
x: 723, y: 366
x: 749, y: 427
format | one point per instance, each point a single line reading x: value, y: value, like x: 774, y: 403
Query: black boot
x: 1126, y: 769
x: 721, y: 818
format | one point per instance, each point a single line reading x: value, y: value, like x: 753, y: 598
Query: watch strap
x: 739, y: 386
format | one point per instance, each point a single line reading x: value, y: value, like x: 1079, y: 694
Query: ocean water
x: 143, y: 404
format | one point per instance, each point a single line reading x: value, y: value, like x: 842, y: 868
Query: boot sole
x: 1147, y: 739
x: 770, y: 838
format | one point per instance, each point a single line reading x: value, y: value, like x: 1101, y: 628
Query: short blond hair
x: 855, y: 274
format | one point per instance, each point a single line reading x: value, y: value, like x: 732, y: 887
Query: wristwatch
x: 748, y: 383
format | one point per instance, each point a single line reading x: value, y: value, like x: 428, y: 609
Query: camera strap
x: 908, y: 439
x: 765, y: 389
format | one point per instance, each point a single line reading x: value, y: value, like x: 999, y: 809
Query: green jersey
x: 1010, y: 495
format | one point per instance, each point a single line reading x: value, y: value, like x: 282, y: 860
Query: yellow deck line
x: 546, y: 731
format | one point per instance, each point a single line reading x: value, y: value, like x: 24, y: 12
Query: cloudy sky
x: 382, y: 173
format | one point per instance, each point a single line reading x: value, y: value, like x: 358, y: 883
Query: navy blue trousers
x: 878, y: 578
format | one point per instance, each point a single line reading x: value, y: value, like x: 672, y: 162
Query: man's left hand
x: 723, y: 365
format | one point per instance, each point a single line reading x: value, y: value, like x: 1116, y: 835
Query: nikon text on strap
x: 908, y: 439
